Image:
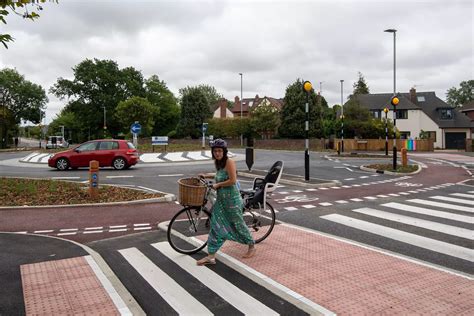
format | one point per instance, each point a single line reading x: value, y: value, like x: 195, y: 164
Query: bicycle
x: 188, y: 229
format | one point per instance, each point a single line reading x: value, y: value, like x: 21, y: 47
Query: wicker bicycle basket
x: 191, y: 192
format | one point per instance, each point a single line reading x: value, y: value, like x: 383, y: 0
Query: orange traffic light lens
x: 395, y: 101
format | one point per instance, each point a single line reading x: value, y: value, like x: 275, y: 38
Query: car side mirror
x: 77, y: 150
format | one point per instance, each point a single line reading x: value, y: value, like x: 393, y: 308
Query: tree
x: 461, y: 96
x: 293, y: 115
x: 167, y: 115
x: 20, y: 100
x: 265, y: 120
x: 98, y: 84
x: 360, y: 87
x: 210, y: 92
x: 194, y: 111
x: 136, y: 109
x: 15, y: 6
x: 71, y: 125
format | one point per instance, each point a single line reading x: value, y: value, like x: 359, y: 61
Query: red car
x: 116, y: 153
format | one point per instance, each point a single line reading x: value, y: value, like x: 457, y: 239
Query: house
x: 468, y: 109
x: 221, y: 110
x: 248, y: 104
x: 419, y: 111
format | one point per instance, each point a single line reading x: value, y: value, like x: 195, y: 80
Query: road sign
x: 159, y: 140
x: 136, y: 128
x: 204, y: 128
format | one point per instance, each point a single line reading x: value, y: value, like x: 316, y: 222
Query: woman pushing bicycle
x: 227, y: 222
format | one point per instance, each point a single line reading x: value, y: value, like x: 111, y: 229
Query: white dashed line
x: 363, y: 177
x: 370, y: 198
x: 118, y: 226
x: 43, y: 231
x: 342, y: 202
x: 94, y: 228
x: 357, y: 200
x: 336, y: 188
x: 144, y: 224
x: 404, y: 193
x: 324, y: 188
x: 117, y: 230
x: 297, y: 191
x: 68, y: 230
x: 93, y: 231
x: 308, y: 206
x: 290, y: 208
x: 142, y: 228
x: 325, y: 204
x: 382, y: 196
x: 311, y: 189
x: 349, y: 179
x: 346, y: 186
x: 66, y: 234
x: 394, y: 194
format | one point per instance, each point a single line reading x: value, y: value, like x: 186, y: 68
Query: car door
x: 83, y: 154
x: 106, y: 152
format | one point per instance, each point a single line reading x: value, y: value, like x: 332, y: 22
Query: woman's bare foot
x: 205, y: 261
x: 250, y: 253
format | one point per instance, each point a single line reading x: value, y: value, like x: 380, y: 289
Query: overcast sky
x: 272, y: 43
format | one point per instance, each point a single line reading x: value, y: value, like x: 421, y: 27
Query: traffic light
x: 394, y: 101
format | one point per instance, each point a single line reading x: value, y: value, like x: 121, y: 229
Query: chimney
x: 223, y: 107
x: 256, y: 97
x: 413, y: 95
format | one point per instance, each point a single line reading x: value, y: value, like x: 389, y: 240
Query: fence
x: 379, y: 144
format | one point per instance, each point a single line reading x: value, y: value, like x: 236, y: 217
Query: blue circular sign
x: 136, y: 128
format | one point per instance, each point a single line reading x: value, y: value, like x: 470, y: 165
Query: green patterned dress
x: 227, y: 222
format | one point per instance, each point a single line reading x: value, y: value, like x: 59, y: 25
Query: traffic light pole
x: 307, y: 88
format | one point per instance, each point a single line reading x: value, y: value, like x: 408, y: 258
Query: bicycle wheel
x: 260, y: 221
x: 188, y: 230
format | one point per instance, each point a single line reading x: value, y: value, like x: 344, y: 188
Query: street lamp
x: 105, y: 120
x: 307, y: 86
x: 342, y: 117
x: 241, y: 104
x: 386, y: 131
x: 394, y: 32
x: 4, y: 120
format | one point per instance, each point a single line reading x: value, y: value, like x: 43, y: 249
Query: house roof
x: 469, y: 106
x: 249, y: 103
x: 431, y: 106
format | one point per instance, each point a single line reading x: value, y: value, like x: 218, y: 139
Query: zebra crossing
x: 441, y: 227
x: 166, y: 282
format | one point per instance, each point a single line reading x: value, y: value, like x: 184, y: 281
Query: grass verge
x: 32, y: 192
x: 388, y: 167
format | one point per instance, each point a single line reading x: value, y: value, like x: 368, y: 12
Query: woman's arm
x: 232, y: 172
x: 207, y: 175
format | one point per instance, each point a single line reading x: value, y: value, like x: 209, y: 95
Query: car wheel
x: 62, y: 164
x: 119, y: 163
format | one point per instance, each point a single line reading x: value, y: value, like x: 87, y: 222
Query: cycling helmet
x: 219, y: 143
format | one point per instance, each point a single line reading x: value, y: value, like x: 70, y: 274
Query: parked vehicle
x: 56, y: 142
x: 116, y: 153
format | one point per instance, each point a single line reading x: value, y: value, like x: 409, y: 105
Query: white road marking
x: 349, y: 179
x: 325, y: 204
x: 443, y: 205
x: 172, y: 175
x: 409, y: 238
x: 219, y: 285
x: 94, y: 228
x: 443, y: 228
x: 144, y: 224
x: 116, y: 177
x: 342, y: 202
x: 469, y: 196
x: 394, y: 194
x: 118, y: 226
x: 68, y: 230
x: 430, y: 212
x: 43, y: 231
x: 356, y: 200
x: 177, y: 297
x: 66, y: 234
x: 142, y: 228
x: 290, y: 208
x: 382, y: 196
x: 93, y: 231
x: 370, y: 197
x: 308, y: 206
x: 117, y: 230
x: 450, y: 199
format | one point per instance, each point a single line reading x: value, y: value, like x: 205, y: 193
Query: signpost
x: 136, y: 128
x: 94, y: 179
x: 204, y: 130
x: 159, y: 141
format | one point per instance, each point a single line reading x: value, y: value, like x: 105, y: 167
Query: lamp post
x: 386, y: 131
x: 241, y: 104
x: 394, y: 32
x: 307, y: 86
x: 105, y: 121
x: 40, y: 130
x: 342, y: 116
x: 4, y: 121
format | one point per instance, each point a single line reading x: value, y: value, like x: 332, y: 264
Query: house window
x: 404, y: 135
x: 421, y: 98
x: 376, y: 113
x: 446, y: 114
x: 402, y: 114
